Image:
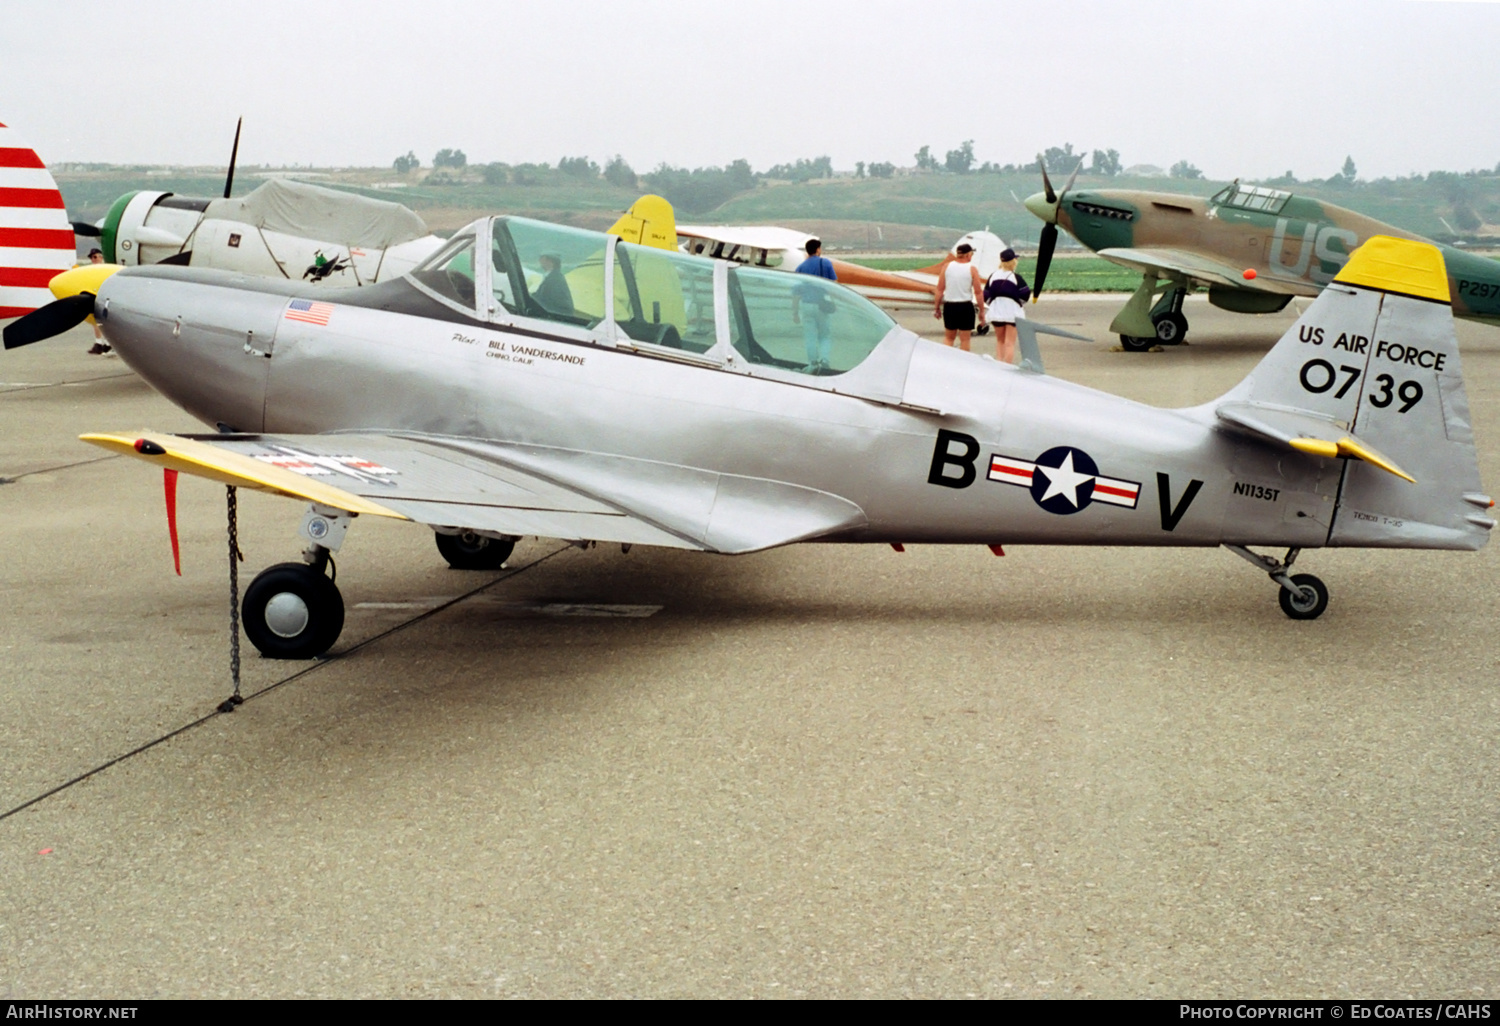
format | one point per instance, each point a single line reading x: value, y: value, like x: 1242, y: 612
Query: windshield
x: 1252, y: 197
x: 450, y: 271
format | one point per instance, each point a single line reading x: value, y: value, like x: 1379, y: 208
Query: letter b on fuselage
x: 945, y: 460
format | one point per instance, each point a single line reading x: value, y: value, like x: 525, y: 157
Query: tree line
x: 699, y: 190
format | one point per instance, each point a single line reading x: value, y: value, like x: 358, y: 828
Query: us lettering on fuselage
x: 1316, y: 239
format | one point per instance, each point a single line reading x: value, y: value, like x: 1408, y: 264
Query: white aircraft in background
x: 785, y: 248
x: 282, y: 229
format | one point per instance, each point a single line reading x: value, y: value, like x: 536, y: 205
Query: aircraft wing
x: 506, y: 488
x: 1202, y: 268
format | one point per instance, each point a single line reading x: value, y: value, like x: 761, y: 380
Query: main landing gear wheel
x: 470, y: 551
x: 1137, y: 343
x: 292, y: 611
x: 1309, y: 602
x: 1171, y: 328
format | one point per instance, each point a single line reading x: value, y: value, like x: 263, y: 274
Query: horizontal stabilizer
x: 1306, y: 432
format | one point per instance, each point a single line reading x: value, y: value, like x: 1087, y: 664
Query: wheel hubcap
x: 287, y: 615
x: 1304, y: 600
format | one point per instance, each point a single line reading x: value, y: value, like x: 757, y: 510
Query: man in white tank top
x: 960, y: 293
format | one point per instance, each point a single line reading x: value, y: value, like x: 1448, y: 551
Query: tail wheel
x: 292, y: 611
x: 470, y: 551
x: 1137, y: 343
x: 1310, y: 600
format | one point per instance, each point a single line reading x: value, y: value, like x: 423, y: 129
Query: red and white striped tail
x: 36, y: 240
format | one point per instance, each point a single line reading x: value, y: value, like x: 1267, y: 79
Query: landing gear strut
x: 1302, y: 596
x: 1171, y: 325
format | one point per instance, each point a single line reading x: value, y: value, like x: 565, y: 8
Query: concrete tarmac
x: 818, y: 771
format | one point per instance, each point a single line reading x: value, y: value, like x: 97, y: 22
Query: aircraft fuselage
x: 933, y: 444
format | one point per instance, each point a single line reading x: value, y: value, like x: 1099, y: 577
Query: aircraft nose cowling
x: 1039, y: 206
x: 204, y: 346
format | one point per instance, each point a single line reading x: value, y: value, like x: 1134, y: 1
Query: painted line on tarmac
x: 7, y: 387
x: 318, y: 665
x: 64, y: 466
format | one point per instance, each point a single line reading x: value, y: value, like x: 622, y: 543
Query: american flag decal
x: 309, y: 312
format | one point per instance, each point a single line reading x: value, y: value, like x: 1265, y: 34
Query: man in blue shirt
x: 811, y: 305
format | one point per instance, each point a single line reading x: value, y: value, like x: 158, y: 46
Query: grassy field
x: 1068, y: 273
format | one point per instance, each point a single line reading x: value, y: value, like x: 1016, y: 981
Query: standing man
x: 960, y: 294
x: 101, y: 347
x: 817, y: 334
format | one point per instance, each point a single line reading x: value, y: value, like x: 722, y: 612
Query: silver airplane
x: 533, y: 379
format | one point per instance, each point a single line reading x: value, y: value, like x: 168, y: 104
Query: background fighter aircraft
x: 537, y: 379
x: 1253, y: 247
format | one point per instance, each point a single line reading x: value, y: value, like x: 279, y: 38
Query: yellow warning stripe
x: 203, y: 459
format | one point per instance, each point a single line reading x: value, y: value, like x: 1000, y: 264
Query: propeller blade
x: 84, y: 228
x: 52, y: 319
x: 1046, y: 182
x: 1071, y: 179
x: 234, y: 155
x: 1045, y: 246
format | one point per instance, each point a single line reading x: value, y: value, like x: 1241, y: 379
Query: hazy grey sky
x: 1248, y: 88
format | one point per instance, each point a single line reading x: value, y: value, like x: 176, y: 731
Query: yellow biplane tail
x: 649, y: 222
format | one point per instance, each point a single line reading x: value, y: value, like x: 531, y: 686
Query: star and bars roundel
x: 1064, y: 480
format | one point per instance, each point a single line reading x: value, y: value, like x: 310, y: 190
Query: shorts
x: 958, y: 316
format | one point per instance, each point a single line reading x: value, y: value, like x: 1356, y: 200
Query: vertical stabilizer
x: 1371, y: 374
x: 650, y: 221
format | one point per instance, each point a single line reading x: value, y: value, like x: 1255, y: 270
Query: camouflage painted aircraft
x: 1253, y: 247
x: 535, y: 379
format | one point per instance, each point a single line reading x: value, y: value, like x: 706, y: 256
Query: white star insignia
x: 1064, y: 480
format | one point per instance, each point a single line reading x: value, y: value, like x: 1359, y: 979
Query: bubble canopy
x: 593, y: 287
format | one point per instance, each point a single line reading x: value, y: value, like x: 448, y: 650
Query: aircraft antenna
x: 234, y: 155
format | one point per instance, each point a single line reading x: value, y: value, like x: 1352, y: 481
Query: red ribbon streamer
x: 169, y: 485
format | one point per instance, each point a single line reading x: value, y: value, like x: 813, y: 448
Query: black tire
x: 1171, y: 328
x: 1311, y: 604
x: 292, y: 611
x: 1136, y: 344
x: 470, y: 551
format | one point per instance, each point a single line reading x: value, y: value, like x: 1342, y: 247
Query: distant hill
x: 923, y: 211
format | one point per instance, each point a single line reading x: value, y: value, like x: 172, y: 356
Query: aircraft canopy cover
x: 313, y: 212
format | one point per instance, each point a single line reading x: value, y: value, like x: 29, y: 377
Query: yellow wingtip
x: 1398, y: 265
x: 205, y: 460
